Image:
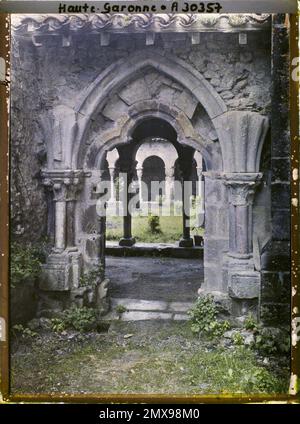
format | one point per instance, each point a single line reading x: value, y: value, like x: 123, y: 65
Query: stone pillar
x: 186, y: 240
x: 139, y: 172
x: 112, y: 184
x: 216, y: 233
x: 241, y: 189
x: 200, y: 194
x: 64, y: 199
x: 59, y: 190
x: 243, y: 279
x: 63, y: 267
x: 169, y: 184
x: 127, y: 239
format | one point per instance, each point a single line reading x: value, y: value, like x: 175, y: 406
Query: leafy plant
x: 270, y: 342
x: 259, y: 380
x: 238, y: 339
x: 120, y: 309
x: 77, y: 318
x: 23, y: 332
x: 58, y: 325
x: 203, y: 317
x: 154, y: 225
x: 91, y: 278
x: 250, y: 323
x: 24, y: 263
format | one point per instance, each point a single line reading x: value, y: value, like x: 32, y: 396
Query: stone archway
x: 232, y: 167
x: 166, y: 152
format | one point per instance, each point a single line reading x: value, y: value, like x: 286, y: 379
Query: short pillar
x: 243, y: 279
x: 200, y: 194
x: 60, y: 225
x: 139, y: 173
x: 112, y: 184
x: 169, y: 188
x: 241, y: 189
x: 186, y: 240
x: 127, y: 239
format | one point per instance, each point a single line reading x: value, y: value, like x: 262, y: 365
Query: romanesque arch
x: 232, y: 165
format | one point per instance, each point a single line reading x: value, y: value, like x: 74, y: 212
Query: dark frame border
x: 293, y: 22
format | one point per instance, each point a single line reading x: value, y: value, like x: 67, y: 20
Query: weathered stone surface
x: 74, y: 101
x: 281, y: 224
x: 276, y: 257
x: 140, y: 304
x: 141, y: 316
x: 275, y: 287
x: 281, y: 169
x: 24, y: 293
x: 40, y: 324
x: 248, y: 336
x: 244, y: 285
x: 56, y: 274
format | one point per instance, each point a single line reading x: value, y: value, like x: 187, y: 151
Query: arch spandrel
x: 118, y: 73
x: 121, y: 134
x: 156, y: 147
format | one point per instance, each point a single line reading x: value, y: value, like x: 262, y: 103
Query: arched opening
x: 153, y: 170
x: 161, y: 172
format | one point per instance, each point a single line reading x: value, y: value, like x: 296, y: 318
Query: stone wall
x: 52, y: 78
x: 275, y: 260
x: 28, y: 147
x: 52, y: 75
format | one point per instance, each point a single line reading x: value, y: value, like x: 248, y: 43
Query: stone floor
x: 154, y: 249
x: 153, y: 288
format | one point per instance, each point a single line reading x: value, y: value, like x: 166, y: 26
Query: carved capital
x: 65, y: 185
x: 139, y: 173
x: 242, y: 187
x: 170, y: 173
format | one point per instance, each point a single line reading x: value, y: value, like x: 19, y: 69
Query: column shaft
x: 60, y: 225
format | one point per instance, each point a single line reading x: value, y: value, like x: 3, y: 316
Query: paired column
x: 64, y: 196
x: 112, y: 184
x: 241, y: 189
x: 186, y: 240
x: 139, y: 173
x: 127, y: 239
x: 169, y: 187
x: 200, y: 194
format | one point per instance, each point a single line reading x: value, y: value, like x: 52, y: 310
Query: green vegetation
x: 170, y: 229
x: 203, y: 318
x: 120, y: 309
x: 25, y: 263
x: 91, y: 278
x: 153, y: 223
x: 270, y: 341
x: 76, y: 318
x: 162, y: 358
x: 20, y: 331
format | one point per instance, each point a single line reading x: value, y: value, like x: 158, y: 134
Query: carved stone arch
x: 126, y: 125
x: 118, y: 73
x: 165, y: 150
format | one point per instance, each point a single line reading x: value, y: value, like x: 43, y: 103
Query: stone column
x: 64, y: 188
x: 243, y: 279
x: 200, y: 194
x: 169, y: 184
x: 59, y: 190
x: 127, y: 239
x: 112, y: 184
x: 139, y: 173
x: 241, y: 188
x: 72, y: 188
x: 186, y: 240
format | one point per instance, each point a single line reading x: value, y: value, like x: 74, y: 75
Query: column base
x: 127, y: 242
x: 186, y: 242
